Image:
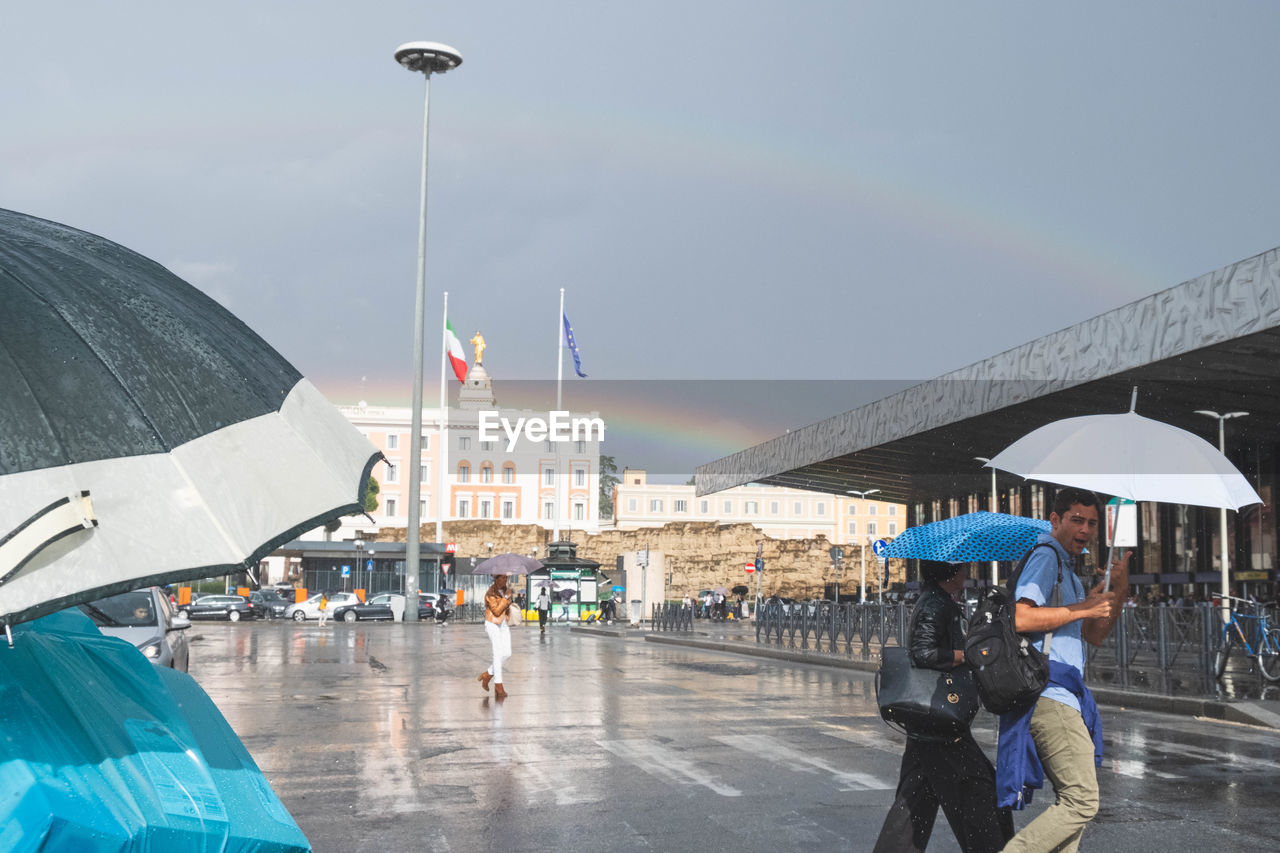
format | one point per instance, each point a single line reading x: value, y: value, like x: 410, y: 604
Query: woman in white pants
x: 497, y: 600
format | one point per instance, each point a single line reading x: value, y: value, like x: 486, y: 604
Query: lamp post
x: 428, y: 57
x: 995, y: 507
x: 359, y: 546
x: 1222, y: 512
x: 862, y: 548
x: 369, y: 571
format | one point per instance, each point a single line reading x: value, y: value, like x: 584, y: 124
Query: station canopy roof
x: 1209, y: 343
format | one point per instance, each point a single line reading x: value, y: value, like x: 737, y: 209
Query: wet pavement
x: 378, y: 737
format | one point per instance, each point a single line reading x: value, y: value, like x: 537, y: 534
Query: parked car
x: 310, y: 609
x: 378, y: 608
x: 233, y: 608
x: 145, y: 618
x: 269, y: 603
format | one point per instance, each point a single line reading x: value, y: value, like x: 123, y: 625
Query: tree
x: 608, y: 479
x: 370, y: 498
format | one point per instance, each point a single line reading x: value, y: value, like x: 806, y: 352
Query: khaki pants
x: 1066, y: 751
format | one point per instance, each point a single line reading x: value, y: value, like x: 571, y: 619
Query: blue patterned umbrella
x: 976, y: 537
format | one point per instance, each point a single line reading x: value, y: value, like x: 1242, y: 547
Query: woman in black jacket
x: 951, y: 772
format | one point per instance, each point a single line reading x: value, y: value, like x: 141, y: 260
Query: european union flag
x: 573, y: 346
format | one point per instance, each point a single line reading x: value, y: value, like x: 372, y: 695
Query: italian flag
x: 457, y: 357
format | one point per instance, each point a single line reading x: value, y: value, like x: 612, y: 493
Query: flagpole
x: 559, y: 379
x: 443, y: 431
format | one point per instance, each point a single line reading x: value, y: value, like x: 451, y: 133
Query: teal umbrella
x: 972, y: 538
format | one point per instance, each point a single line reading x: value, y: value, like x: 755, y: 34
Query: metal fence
x: 1150, y: 644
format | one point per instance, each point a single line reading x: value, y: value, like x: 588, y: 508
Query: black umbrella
x: 741, y: 589
x: 131, y: 397
x: 566, y: 594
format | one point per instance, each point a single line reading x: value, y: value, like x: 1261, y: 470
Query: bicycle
x: 1267, y: 652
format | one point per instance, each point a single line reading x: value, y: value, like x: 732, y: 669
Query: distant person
x: 544, y: 606
x: 497, y: 601
x: 322, y: 610
x: 952, y: 772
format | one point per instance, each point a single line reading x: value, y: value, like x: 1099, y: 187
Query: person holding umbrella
x: 1062, y: 730
x: 497, y: 601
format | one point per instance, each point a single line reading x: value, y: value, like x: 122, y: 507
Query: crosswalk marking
x: 849, y: 780
x: 658, y: 760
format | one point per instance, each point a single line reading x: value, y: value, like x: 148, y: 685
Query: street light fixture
x: 862, y: 549
x: 359, y: 546
x: 427, y: 57
x: 1222, y: 512
x: 995, y: 507
x: 369, y: 570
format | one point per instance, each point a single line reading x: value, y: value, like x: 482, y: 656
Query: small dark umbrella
x: 740, y: 589
x: 566, y: 594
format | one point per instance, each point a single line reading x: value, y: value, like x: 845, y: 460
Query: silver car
x: 145, y: 618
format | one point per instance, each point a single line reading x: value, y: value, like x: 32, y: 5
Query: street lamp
x: 1222, y: 512
x: 995, y: 507
x: 428, y: 57
x: 862, y: 549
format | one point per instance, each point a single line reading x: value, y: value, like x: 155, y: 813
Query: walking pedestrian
x: 1062, y: 731
x: 939, y: 770
x: 322, y: 609
x: 544, y: 605
x: 497, y: 601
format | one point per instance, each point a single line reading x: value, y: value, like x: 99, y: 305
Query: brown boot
x: 498, y: 691
x: 483, y: 678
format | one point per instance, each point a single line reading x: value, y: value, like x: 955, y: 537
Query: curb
x: 1246, y: 713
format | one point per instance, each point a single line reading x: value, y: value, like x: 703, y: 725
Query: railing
x: 1150, y: 645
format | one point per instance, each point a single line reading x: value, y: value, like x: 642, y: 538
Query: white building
x: 490, y: 474
x: 780, y: 513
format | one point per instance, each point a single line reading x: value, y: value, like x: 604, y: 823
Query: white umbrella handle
x: 58, y: 519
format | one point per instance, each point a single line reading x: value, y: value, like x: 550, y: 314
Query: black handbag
x: 924, y: 701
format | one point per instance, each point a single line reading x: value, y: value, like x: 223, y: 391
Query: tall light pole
x: 862, y: 547
x: 428, y: 57
x: 995, y: 507
x: 1222, y: 512
x: 359, y: 545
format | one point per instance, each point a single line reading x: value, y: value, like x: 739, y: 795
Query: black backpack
x: 1010, y: 672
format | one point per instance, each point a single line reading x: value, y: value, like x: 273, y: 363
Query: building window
x: 679, y: 506
x: 871, y: 509
x: 704, y: 507
x: 391, y: 507
x: 548, y: 446
x: 774, y: 508
x: 548, y: 476
x: 751, y: 508
x: 579, y: 512
x: 508, y: 509
x: 893, y: 509
x: 728, y: 507
x: 631, y: 505
x: 548, y: 510
x: 464, y: 473
x: 820, y: 508
x: 579, y: 477
x: 486, y: 509
x: 508, y: 474
x: 797, y: 508
x: 464, y: 442
x: 426, y: 442
x: 655, y: 505
x: 464, y: 509
x: 486, y: 473
x: 424, y: 473
x: 853, y: 528
x: 486, y: 445
x: 393, y: 441
x: 893, y: 528
x: 393, y: 473
x: 871, y: 529
x: 580, y: 446
x: 853, y: 509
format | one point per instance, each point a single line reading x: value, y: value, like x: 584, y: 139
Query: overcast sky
x: 745, y: 190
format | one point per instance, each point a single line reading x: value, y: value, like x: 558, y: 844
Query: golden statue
x: 478, y: 343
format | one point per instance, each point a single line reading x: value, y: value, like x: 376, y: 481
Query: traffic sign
x: 751, y: 567
x: 451, y: 547
x: 346, y: 571
x: 759, y: 563
x: 877, y: 548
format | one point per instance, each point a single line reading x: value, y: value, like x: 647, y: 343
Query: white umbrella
x: 1128, y: 456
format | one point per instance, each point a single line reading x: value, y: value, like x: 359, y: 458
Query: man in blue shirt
x: 1063, y: 742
